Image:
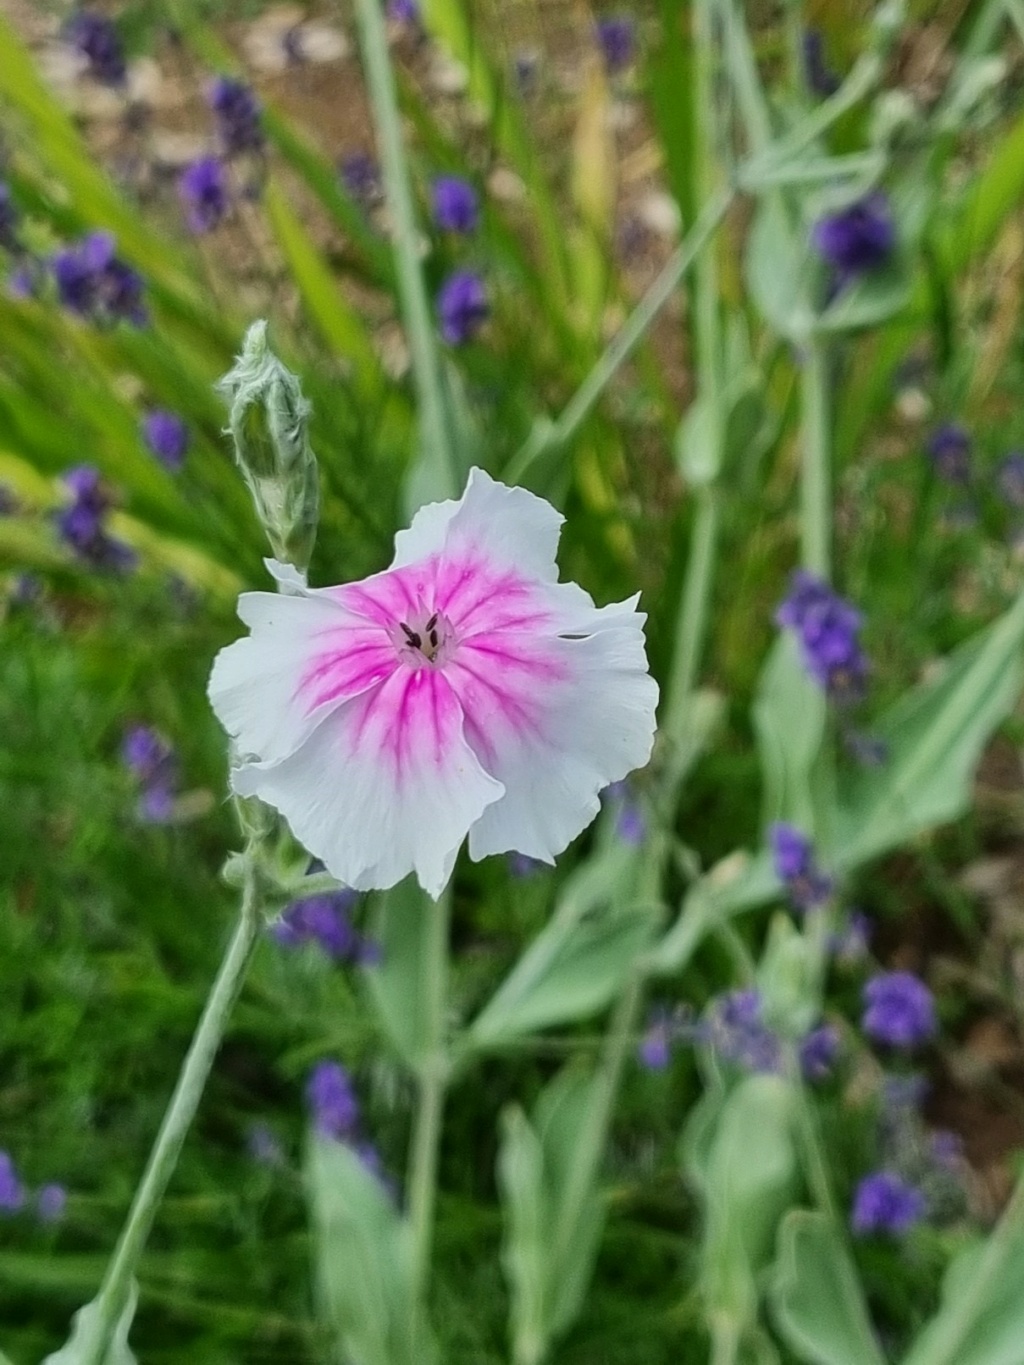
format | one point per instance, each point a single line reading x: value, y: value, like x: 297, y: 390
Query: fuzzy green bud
x: 269, y: 424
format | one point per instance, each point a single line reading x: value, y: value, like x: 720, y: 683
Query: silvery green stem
x: 412, y: 292
x: 433, y: 1083
x: 269, y: 422
x: 816, y: 460
x: 117, y: 1283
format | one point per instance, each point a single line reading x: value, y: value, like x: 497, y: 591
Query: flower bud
x: 269, y: 422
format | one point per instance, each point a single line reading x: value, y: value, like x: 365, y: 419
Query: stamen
x: 411, y: 636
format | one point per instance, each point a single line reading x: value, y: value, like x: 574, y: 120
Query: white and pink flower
x: 464, y: 690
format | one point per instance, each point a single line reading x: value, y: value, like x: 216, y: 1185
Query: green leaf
x: 935, y: 736
x: 80, y: 1347
x: 817, y: 1302
x: 789, y: 714
x: 747, y: 1186
x: 552, y: 1228
x: 363, y: 1255
x: 871, y: 299
x: 398, y: 983
x: 578, y: 962
x: 981, y: 1320
x: 778, y: 271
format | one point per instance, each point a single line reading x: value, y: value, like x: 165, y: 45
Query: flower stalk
x: 117, y: 1284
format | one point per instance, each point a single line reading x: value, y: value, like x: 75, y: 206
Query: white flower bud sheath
x: 464, y: 690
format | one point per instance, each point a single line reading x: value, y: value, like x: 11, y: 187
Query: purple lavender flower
x: 819, y: 1051
x: 81, y: 525
x: 360, y: 175
x: 949, y: 448
x: 630, y: 821
x: 885, y: 1203
x: 462, y: 306
x: 456, y: 206
x: 332, y: 1102
x: 793, y: 856
x: 858, y: 239
x: 157, y: 804
x: 93, y: 282
x: 899, y: 1010
x: 144, y: 752
x: 403, y: 11
x: 616, y: 39
x: 263, y: 1145
x: 735, y: 1027
x: 25, y: 280
x: 324, y: 920
x: 849, y: 943
x: 1010, y: 479
x: 203, y: 191
x: 237, y: 111
x: 95, y: 37
x: 166, y: 435
x: 821, y: 80
x: 828, y: 629
x: 51, y: 1202
x: 522, y: 866
x: 9, y: 218
x: 12, y: 1192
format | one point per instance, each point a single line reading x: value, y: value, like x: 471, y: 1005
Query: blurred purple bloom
x: 237, y: 111
x: 664, y: 1028
x: 456, y: 206
x: 12, y: 1192
x: 793, y: 858
x: 1010, y: 479
x: 404, y: 11
x: 203, y: 191
x: 615, y: 37
x: 949, y: 448
x: 93, y: 282
x: 899, y: 1010
x: 630, y: 821
x: 324, y: 920
x: 95, y: 37
x: 522, y: 866
x: 144, y: 752
x: 360, y: 175
x: 821, y: 80
x: 263, y: 1145
x: 332, y: 1102
x: 166, y: 435
x: 828, y: 629
x: 462, y: 306
x: 81, y: 525
x: 819, y: 1051
x: 25, y: 280
x: 858, y: 239
x: 885, y: 1203
x: 51, y: 1202
x: 157, y: 804
x: 9, y: 218
x: 849, y: 943
x: 735, y: 1028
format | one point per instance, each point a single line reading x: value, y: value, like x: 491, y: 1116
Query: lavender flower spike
x: 12, y: 1192
x: 899, y: 1010
x: 616, y: 38
x: 858, y: 239
x: 828, y: 629
x: 95, y: 37
x: 203, y: 191
x: 166, y: 435
x: 949, y: 448
x: 456, y: 206
x: 462, y: 307
x: 885, y: 1203
x: 237, y: 111
x: 332, y: 1101
x: 793, y: 856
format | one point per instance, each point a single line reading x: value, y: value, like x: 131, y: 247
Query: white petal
x: 556, y: 720
x: 259, y: 686
x: 384, y: 786
x: 513, y: 526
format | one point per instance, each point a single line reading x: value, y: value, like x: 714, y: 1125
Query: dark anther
x: 432, y: 622
x: 411, y: 636
x: 433, y: 638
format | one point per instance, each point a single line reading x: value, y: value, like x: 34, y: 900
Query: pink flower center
x: 424, y: 640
